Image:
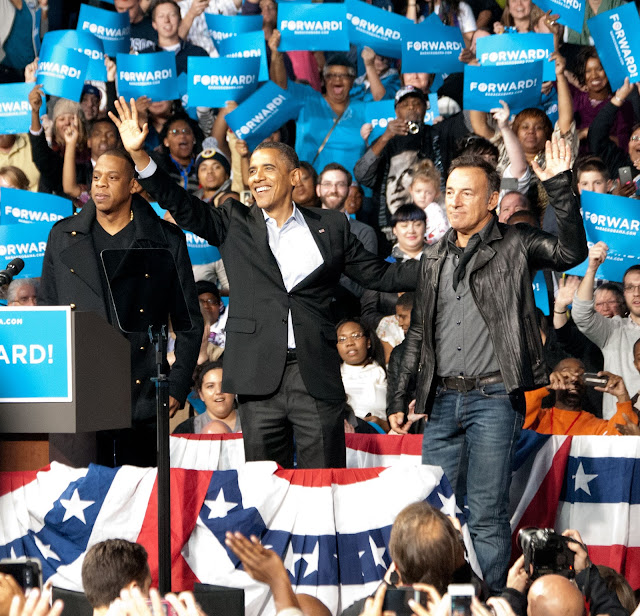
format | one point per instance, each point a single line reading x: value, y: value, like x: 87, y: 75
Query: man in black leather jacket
x: 473, y: 345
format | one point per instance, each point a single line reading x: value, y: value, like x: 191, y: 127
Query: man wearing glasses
x: 614, y: 336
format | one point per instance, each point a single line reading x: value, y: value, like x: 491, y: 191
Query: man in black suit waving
x: 283, y: 264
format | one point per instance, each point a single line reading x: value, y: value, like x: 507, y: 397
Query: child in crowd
x: 425, y: 193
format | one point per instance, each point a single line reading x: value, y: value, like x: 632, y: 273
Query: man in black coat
x: 72, y: 274
x: 284, y: 264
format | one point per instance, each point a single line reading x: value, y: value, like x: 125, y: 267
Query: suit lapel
x: 80, y: 258
x: 319, y: 232
x: 258, y: 228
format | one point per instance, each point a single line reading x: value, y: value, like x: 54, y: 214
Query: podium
x: 61, y: 372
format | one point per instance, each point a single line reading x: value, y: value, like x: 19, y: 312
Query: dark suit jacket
x: 256, y: 348
x: 70, y: 275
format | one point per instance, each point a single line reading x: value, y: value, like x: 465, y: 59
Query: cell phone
x: 625, y: 175
x: 591, y: 379
x: 508, y: 184
x: 397, y: 600
x: 167, y: 608
x: 26, y: 571
x: 461, y: 595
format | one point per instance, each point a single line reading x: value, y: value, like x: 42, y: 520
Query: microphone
x: 13, y: 269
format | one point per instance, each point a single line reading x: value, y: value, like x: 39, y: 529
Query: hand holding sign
x: 597, y: 256
x: 557, y: 158
x: 622, y: 92
x: 274, y: 41
x: 30, y: 71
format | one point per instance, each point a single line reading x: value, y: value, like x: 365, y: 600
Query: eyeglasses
x: 634, y: 138
x: 354, y: 336
x: 336, y: 76
x: 180, y: 131
x: 340, y: 185
x: 631, y: 288
x: 613, y: 302
x: 209, y: 302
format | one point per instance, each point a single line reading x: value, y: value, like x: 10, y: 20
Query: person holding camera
x: 555, y: 577
x: 567, y: 416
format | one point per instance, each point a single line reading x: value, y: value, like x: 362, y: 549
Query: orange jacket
x: 574, y: 423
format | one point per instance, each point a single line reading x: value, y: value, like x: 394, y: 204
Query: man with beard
x: 567, y: 416
x: 386, y: 165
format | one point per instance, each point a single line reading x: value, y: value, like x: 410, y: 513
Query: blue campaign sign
x: 113, y: 29
x: 88, y: 44
x: 510, y: 49
x: 615, y: 34
x: 27, y: 242
x: 433, y: 112
x: 247, y: 45
x: 379, y: 114
x: 15, y: 111
x: 61, y: 72
x: 213, y: 81
x: 376, y: 28
x: 313, y: 27
x: 35, y: 354
x: 148, y: 74
x: 200, y: 252
x: 616, y: 222
x: 30, y: 207
x: 432, y: 44
x: 486, y: 86
x: 540, y: 294
x: 571, y: 12
x: 264, y: 112
x: 222, y: 27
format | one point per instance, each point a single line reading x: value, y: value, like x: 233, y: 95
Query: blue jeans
x: 472, y: 436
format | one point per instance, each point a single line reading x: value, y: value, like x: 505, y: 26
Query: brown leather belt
x: 464, y: 384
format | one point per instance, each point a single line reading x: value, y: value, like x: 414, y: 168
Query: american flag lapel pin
x: 320, y: 230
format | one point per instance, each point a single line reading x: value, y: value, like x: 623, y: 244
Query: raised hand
x: 368, y: 56
x: 557, y: 157
x: 131, y: 134
x: 567, y: 288
x: 71, y: 133
x: 597, y: 255
x: 501, y: 115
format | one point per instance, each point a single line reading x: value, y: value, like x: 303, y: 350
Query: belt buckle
x: 462, y: 385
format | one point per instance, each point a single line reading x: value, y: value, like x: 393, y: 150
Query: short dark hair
x: 108, y: 121
x: 157, y: 3
x: 538, y: 114
x: 493, y: 178
x: 475, y: 145
x: 286, y: 151
x: 123, y: 155
x: 336, y: 167
x: 633, y: 268
x: 202, y: 369
x: 406, y: 300
x: 425, y: 546
x: 615, y: 288
x: 408, y: 211
x: 177, y: 116
x: 590, y: 163
x: 111, y: 565
x: 376, y: 351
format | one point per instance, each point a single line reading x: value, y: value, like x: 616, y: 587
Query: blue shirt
x: 19, y: 47
x: 345, y: 145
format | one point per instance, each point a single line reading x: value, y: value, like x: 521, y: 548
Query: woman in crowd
x: 213, y: 170
x: 363, y: 374
x: 219, y: 406
x: 304, y: 192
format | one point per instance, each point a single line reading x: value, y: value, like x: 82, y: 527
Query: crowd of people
x: 366, y: 284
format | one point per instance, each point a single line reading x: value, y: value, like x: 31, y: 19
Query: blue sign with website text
x: 222, y: 27
x: 247, y: 45
x: 264, y: 112
x: 30, y: 207
x: 213, y: 81
x: 432, y: 44
x: 15, y: 110
x: 615, y: 34
x: 148, y: 74
x: 35, y: 354
x: 83, y: 42
x: 61, y: 72
x: 571, y: 12
x: 510, y: 49
x: 313, y: 27
x: 113, y: 29
x: 27, y: 242
x: 616, y: 222
x: 381, y: 30
x: 486, y: 86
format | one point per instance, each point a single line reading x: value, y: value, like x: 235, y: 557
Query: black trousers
x: 271, y: 423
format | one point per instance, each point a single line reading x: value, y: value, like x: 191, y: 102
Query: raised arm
x: 69, y: 179
x: 565, y: 100
x: 377, y: 89
x: 277, y: 70
x: 515, y: 152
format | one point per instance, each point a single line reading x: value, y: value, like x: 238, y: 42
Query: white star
x: 311, y: 560
x: 13, y: 553
x: 219, y: 507
x: 582, y: 480
x: 288, y: 560
x: 377, y: 553
x: 449, y: 506
x: 74, y: 507
x: 45, y: 550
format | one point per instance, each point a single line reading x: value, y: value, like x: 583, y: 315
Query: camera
x: 397, y: 600
x: 413, y: 127
x: 26, y: 571
x: 547, y: 551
